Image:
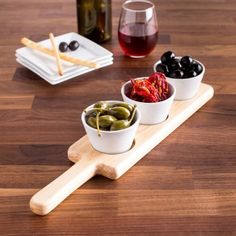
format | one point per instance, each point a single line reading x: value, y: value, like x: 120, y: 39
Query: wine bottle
x: 95, y: 19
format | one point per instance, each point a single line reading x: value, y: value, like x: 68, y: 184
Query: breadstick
x: 52, y: 39
x: 63, y: 56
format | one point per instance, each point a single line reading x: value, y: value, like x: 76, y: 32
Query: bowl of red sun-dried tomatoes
x: 153, y: 96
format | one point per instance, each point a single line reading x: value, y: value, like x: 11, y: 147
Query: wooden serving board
x: 89, y: 162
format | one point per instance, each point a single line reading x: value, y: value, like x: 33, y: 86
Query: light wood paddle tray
x: 89, y: 162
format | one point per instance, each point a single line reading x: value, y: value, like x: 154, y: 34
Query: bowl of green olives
x: 111, y: 125
x: 185, y: 73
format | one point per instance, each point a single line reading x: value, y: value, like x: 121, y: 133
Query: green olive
x: 119, y: 124
x: 123, y: 124
x: 121, y: 113
x: 106, y: 121
x: 126, y: 105
x: 101, y: 104
x: 94, y: 111
x: 110, y: 117
x: 91, y: 121
x: 91, y: 113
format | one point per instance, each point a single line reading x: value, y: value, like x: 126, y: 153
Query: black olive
x: 63, y: 46
x: 73, y: 45
x: 177, y: 74
x: 185, y: 69
x: 186, y: 61
x: 190, y: 74
x: 162, y: 68
x: 167, y: 57
x: 197, y: 67
x: 174, y: 64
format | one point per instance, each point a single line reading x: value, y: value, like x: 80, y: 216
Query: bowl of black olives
x: 185, y: 73
x: 111, y: 125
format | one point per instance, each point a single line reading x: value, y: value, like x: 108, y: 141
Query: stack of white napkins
x: 45, y: 66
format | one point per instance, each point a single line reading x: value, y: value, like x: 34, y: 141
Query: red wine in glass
x: 138, y: 28
x: 137, y: 39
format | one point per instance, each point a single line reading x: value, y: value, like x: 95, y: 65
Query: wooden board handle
x: 54, y: 193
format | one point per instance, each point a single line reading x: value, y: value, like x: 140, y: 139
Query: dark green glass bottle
x: 95, y: 19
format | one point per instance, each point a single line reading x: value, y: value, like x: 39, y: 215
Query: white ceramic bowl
x: 112, y: 142
x: 185, y: 88
x: 151, y: 113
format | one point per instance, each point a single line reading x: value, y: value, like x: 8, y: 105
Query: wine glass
x: 138, y: 28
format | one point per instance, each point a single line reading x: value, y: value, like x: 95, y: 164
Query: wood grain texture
x: 185, y: 186
x: 23, y: 102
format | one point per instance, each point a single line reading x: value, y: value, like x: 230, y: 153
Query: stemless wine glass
x: 138, y: 28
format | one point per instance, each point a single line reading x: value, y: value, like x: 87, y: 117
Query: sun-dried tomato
x: 153, y: 89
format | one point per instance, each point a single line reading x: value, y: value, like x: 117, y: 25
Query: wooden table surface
x: 185, y: 186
